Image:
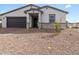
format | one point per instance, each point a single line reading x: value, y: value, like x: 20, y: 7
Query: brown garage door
x: 16, y: 22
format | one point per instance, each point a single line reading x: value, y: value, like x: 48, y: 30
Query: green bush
x: 57, y: 26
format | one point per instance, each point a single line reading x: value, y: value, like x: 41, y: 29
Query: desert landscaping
x: 24, y: 42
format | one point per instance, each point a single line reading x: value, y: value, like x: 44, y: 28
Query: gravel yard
x: 22, y: 42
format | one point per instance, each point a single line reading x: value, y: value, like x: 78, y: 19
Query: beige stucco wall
x: 60, y: 16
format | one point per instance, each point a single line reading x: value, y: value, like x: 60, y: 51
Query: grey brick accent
x: 51, y: 26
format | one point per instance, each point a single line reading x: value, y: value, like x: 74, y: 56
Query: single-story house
x: 32, y: 16
x: 73, y: 25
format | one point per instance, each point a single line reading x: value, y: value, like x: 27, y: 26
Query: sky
x: 73, y: 9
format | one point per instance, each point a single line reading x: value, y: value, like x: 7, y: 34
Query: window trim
x: 53, y: 18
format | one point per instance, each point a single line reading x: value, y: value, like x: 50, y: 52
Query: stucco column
x: 39, y: 21
x: 27, y: 25
x: 4, y: 22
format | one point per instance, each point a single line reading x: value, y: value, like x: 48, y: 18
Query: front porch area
x: 34, y: 18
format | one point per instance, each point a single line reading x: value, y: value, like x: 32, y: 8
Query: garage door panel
x: 18, y: 22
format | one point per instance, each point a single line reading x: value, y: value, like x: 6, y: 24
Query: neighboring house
x: 73, y: 25
x: 32, y: 16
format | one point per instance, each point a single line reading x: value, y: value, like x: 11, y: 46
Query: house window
x: 52, y: 18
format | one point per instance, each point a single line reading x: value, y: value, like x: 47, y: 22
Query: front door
x: 34, y: 22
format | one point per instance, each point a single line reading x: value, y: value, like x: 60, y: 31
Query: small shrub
x: 57, y: 26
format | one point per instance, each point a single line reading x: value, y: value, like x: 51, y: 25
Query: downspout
x: 41, y: 20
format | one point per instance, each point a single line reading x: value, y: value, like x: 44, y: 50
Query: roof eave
x: 35, y: 6
x: 54, y: 8
x: 33, y: 10
x: 19, y: 8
